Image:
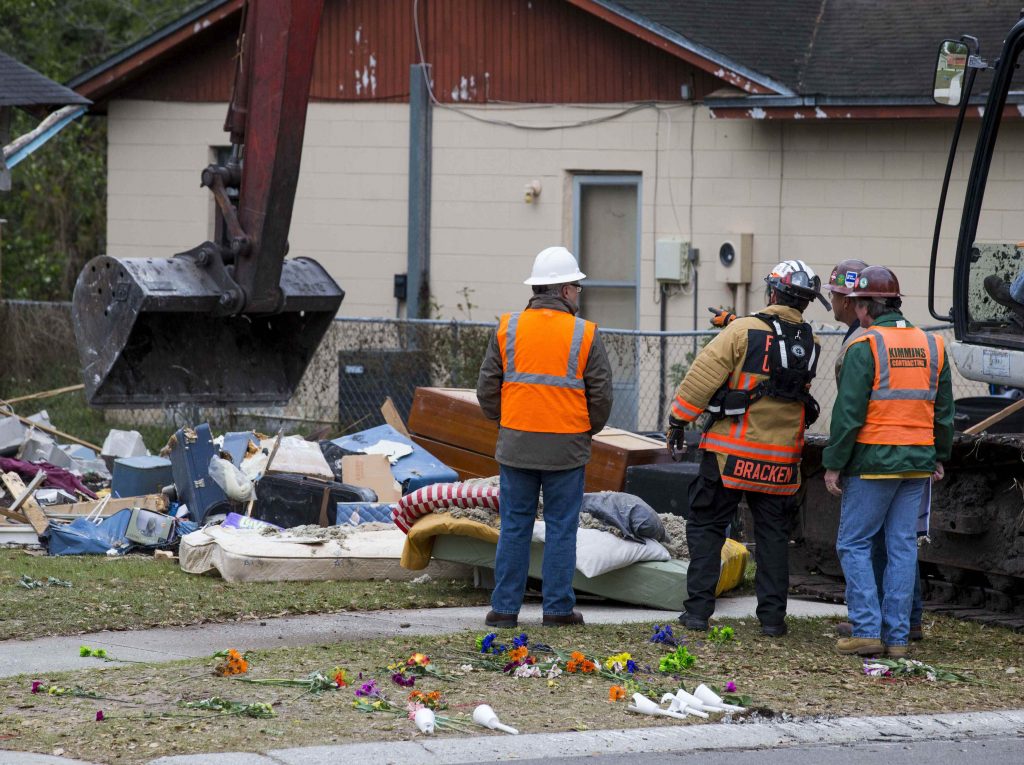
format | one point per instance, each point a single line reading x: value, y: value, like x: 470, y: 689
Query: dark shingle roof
x: 22, y: 86
x: 855, y: 48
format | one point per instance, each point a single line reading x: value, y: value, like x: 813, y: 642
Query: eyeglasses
x: 579, y: 288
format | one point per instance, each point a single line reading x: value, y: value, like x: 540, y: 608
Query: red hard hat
x: 876, y: 281
x: 844, y: 276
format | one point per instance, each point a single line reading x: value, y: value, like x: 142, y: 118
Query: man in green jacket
x: 892, y: 426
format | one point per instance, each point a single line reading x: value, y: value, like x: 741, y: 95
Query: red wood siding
x: 481, y: 51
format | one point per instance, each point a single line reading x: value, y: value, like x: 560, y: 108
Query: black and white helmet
x: 796, y: 278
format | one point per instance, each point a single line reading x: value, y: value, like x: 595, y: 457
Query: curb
x: 685, y: 738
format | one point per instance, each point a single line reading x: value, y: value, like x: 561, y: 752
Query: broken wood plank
x: 16, y: 517
x: 32, y: 511
x: 155, y: 502
x: 54, y: 432
x: 45, y: 394
x: 999, y: 416
x: 392, y: 417
x: 19, y: 501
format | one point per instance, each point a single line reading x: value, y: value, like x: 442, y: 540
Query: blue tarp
x: 84, y: 537
x: 414, y: 471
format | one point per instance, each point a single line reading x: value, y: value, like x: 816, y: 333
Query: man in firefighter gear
x: 546, y: 379
x: 892, y: 426
x: 753, y: 379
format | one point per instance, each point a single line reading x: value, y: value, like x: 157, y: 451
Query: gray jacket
x: 547, y: 451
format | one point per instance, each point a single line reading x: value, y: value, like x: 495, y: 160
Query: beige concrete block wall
x: 820, y: 192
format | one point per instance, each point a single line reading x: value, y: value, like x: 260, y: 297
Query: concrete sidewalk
x: 170, y: 643
x: 668, y: 739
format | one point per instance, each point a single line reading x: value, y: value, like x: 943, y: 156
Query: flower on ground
x: 663, y: 634
x: 406, y: 682
x: 677, y: 661
x: 618, y: 662
x: 430, y: 700
x: 720, y: 634
x: 234, y: 664
x: 519, y: 653
x: 527, y: 670
x: 730, y: 687
x: 341, y: 677
x: 98, y: 653
x: 520, y: 640
x: 99, y: 715
x: 616, y: 693
x: 483, y: 642
x: 368, y: 690
x: 579, y: 663
x: 36, y: 685
x: 554, y: 671
x: 418, y: 660
x: 413, y: 707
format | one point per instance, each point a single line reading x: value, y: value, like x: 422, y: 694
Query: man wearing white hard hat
x: 753, y: 380
x: 547, y: 381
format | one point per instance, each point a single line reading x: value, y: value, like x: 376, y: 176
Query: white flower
x: 554, y: 672
x: 467, y: 667
x: 527, y: 670
x: 875, y: 670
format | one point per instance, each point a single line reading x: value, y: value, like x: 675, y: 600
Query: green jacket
x: 856, y: 379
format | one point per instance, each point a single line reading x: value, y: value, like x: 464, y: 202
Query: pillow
x: 598, y: 552
x: 439, y: 496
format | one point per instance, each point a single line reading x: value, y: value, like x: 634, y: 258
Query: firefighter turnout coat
x: 759, y: 450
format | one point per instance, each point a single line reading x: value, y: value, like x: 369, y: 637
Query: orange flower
x: 518, y: 653
x: 418, y: 660
x: 616, y: 693
x: 578, y: 657
x: 588, y: 666
x: 234, y: 664
x: 572, y: 665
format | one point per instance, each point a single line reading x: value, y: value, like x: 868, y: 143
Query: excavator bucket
x: 149, y: 334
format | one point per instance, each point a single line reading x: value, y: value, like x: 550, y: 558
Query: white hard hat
x: 796, y: 278
x: 555, y: 265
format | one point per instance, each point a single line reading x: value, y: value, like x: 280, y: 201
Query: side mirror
x: 949, y: 72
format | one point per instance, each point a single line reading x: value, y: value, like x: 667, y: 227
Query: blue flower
x: 631, y: 666
x: 520, y: 641
x: 485, y: 644
x: 499, y: 649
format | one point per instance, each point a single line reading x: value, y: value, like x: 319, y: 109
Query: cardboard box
x: 371, y: 471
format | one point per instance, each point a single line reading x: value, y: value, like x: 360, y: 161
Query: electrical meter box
x: 672, y: 261
x: 735, y: 260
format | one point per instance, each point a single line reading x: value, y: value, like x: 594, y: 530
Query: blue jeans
x: 871, y: 506
x: 563, y: 497
x: 878, y: 561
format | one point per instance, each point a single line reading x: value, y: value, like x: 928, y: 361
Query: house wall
x: 820, y: 192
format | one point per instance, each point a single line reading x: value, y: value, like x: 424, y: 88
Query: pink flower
x: 99, y: 715
x: 36, y: 685
x: 730, y: 687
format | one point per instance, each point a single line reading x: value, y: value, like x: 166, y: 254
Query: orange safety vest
x: 544, y: 353
x: 901, y: 409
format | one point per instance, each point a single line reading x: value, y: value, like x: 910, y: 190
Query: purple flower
x: 406, y: 682
x: 730, y: 687
x: 36, y: 685
x: 99, y: 715
x: 368, y: 690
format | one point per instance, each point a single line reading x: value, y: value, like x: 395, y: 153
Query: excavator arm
x: 229, y: 321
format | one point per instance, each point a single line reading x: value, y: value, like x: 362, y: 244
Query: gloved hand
x: 676, y: 439
x: 722, y: 317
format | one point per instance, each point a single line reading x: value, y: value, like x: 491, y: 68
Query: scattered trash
x: 51, y: 581
x: 486, y: 717
x: 423, y: 579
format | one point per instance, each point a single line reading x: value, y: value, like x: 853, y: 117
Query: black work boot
x: 693, y: 622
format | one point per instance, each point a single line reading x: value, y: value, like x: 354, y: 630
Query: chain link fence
x: 362, y: 361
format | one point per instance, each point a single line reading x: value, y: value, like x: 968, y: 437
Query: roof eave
x: 711, y: 61
x: 847, y: 107
x: 107, y: 75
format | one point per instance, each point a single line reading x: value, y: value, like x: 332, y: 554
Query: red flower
x: 99, y: 715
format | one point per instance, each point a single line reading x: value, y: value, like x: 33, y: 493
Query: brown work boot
x: 896, y: 651
x: 916, y: 632
x: 844, y: 629
x: 502, y: 621
x: 561, y: 620
x: 860, y: 646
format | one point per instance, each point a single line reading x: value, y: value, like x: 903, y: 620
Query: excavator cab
x: 988, y: 273
x: 229, y: 321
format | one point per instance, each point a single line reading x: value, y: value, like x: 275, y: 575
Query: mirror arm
x: 969, y: 85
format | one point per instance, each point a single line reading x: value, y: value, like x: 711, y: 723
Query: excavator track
x: 973, y: 562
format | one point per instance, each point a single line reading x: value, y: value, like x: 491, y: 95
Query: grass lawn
x: 136, y: 592
x: 798, y: 675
